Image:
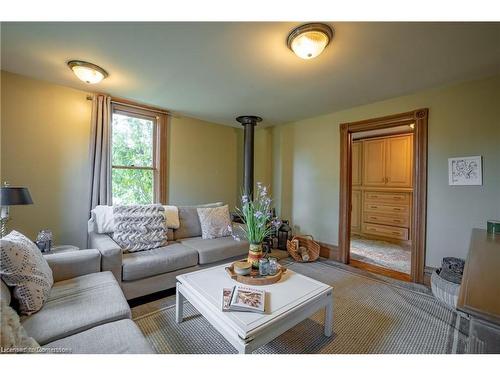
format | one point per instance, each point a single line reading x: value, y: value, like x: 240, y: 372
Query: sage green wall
x: 45, y: 134
x: 464, y: 120
x: 45, y: 143
x: 202, y: 162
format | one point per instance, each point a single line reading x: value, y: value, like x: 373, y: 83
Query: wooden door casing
x: 419, y: 121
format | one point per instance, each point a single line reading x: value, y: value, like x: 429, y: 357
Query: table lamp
x: 11, y: 196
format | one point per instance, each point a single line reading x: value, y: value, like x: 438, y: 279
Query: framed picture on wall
x: 465, y: 170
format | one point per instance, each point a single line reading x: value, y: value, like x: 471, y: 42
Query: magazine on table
x: 241, y: 298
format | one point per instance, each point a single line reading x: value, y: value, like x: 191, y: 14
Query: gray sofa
x: 145, y: 272
x: 86, y: 311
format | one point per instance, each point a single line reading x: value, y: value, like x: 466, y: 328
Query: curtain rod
x: 127, y: 103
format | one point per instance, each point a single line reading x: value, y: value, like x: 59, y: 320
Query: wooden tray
x: 254, y: 278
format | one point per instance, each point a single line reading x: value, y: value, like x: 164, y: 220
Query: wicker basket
x: 444, y: 290
x: 306, y: 241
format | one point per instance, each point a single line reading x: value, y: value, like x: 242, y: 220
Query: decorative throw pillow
x: 23, y: 267
x: 104, y: 219
x: 189, y: 220
x: 172, y: 217
x: 13, y: 337
x: 140, y: 227
x: 215, y: 222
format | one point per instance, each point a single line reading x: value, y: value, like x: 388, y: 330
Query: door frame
x: 418, y: 117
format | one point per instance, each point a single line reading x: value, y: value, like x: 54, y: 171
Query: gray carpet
x: 370, y: 316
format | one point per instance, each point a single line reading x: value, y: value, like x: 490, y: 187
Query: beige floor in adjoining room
x: 381, y: 253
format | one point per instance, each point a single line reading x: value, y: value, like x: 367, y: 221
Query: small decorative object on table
x: 284, y: 234
x: 242, y: 268
x: 273, y: 266
x: 243, y: 299
x: 263, y: 267
x: 308, y: 253
x: 493, y: 227
x: 256, y: 215
x: 44, y: 240
x: 255, y: 278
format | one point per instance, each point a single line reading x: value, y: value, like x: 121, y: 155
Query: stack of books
x: 241, y: 298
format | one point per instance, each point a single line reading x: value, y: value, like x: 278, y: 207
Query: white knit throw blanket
x: 140, y: 227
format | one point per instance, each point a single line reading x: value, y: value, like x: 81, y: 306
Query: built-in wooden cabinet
x: 356, y: 159
x: 386, y: 214
x: 382, y: 186
x: 387, y: 161
x: 374, y: 162
x: 398, y: 161
x: 356, y: 211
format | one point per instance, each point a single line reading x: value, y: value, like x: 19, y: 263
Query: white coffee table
x: 294, y: 298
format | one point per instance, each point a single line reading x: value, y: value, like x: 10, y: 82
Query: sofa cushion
x: 217, y: 249
x: 76, y: 305
x: 190, y: 222
x: 157, y: 261
x: 120, y: 337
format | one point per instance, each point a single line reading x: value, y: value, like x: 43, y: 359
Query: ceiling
x: 217, y: 71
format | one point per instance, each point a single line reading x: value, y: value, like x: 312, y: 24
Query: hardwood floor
x: 380, y: 270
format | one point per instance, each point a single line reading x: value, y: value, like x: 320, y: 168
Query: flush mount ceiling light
x: 87, y: 72
x: 309, y: 40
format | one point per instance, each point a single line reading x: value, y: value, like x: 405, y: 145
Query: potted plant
x: 256, y: 215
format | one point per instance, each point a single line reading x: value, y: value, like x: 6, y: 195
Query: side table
x: 62, y: 249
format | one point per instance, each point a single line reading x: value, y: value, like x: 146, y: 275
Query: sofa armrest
x: 111, y: 253
x: 72, y: 264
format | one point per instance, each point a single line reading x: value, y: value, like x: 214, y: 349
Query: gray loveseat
x: 145, y: 272
x: 86, y: 311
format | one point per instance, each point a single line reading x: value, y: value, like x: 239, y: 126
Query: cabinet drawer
x: 386, y: 208
x: 396, y: 220
x: 386, y: 231
x: 387, y: 197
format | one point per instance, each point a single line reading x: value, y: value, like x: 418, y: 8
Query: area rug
x: 370, y: 316
x: 381, y: 253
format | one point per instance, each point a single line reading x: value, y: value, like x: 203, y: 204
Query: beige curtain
x: 100, y: 151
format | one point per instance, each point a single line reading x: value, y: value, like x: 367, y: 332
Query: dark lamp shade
x: 12, y: 196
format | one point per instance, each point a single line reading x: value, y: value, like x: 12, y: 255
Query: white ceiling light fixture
x: 87, y: 72
x: 309, y: 40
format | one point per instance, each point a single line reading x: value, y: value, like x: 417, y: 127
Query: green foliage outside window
x: 132, y: 146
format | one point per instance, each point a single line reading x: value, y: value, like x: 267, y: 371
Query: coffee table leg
x: 179, y: 304
x: 244, y: 350
x: 329, y: 316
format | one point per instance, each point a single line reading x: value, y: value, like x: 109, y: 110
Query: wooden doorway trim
x: 418, y: 117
